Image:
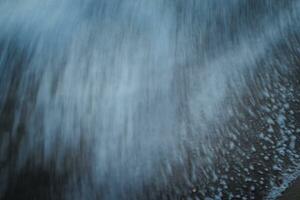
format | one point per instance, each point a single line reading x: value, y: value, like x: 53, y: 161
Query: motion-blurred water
x: 140, y: 99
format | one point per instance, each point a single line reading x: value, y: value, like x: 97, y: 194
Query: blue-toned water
x: 139, y: 99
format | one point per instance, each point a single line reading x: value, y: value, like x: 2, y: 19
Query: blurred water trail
x: 143, y: 99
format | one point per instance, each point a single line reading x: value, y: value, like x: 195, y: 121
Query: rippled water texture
x: 140, y: 99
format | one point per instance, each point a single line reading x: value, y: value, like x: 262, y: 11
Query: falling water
x: 138, y: 99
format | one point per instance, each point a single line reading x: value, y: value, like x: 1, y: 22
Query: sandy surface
x: 293, y: 192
